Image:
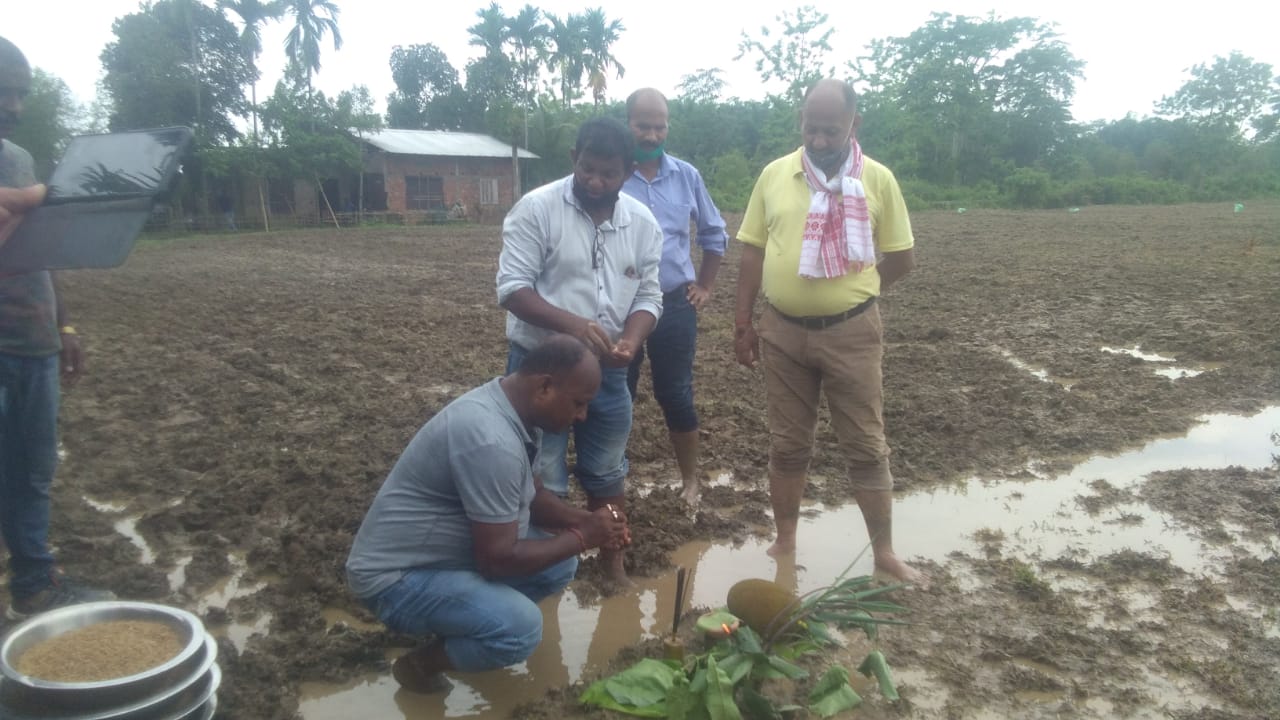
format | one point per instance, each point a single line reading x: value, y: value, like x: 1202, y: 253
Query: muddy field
x: 247, y: 394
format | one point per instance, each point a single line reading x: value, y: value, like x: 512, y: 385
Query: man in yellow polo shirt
x: 826, y: 232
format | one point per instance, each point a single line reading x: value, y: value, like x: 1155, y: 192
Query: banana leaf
x: 876, y: 665
x: 833, y: 694
x: 639, y: 690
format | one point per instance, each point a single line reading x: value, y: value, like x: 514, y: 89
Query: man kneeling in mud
x: 452, y: 546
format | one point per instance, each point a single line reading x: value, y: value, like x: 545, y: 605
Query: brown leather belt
x: 826, y: 321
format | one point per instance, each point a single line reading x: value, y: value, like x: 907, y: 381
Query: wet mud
x: 246, y: 396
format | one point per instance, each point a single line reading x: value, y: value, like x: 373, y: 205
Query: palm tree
x: 566, y: 57
x: 253, y: 14
x: 312, y: 20
x: 527, y: 34
x: 493, y: 76
x: 601, y: 34
x: 491, y: 32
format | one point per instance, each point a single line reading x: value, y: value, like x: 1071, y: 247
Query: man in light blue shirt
x: 673, y: 191
x: 580, y: 258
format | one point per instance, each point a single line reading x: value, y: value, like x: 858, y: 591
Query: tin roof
x: 441, y: 143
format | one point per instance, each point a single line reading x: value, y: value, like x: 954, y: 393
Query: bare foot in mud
x: 894, y: 569
x: 412, y: 672
x: 781, y: 548
x: 690, y: 495
x: 614, y: 571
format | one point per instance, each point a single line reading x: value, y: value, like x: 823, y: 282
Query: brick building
x: 432, y: 171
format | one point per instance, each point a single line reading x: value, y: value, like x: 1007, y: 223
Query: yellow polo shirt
x: 775, y: 223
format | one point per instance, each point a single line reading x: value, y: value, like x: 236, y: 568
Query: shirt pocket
x: 678, y: 221
x: 624, y: 291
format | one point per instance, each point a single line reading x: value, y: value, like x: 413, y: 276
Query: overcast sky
x: 1135, y: 52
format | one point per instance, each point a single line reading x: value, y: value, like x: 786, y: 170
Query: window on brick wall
x: 489, y: 192
x: 423, y: 193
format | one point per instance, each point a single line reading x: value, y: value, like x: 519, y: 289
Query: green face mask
x: 643, y: 155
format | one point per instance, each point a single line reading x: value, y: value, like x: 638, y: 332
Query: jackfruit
x: 758, y: 602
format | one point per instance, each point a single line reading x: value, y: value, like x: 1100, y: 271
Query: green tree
x: 566, y: 54
x: 310, y: 136
x: 491, y: 91
x: 492, y: 79
x: 152, y: 76
x: 49, y: 119
x: 730, y: 180
x: 490, y: 32
x: 1268, y: 125
x: 527, y: 34
x: 312, y: 21
x: 797, y: 57
x: 1233, y: 92
x: 702, y: 85
x: 428, y: 93
x: 1029, y: 187
x: 977, y: 96
x: 600, y: 35
x: 253, y: 14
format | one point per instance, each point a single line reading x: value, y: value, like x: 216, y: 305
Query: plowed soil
x: 247, y: 394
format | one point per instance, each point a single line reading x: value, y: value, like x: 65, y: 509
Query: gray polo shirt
x: 472, y: 462
x: 605, y: 273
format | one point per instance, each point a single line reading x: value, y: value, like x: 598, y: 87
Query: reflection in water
x: 239, y: 633
x: 178, y: 575
x: 1037, y: 372
x: 1172, y: 372
x: 104, y: 506
x: 1038, y: 518
x: 228, y: 590
x: 128, y: 527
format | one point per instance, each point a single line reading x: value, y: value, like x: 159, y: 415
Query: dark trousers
x: 670, y: 349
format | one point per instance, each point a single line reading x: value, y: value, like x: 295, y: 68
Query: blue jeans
x: 671, y: 347
x: 485, y: 624
x: 29, y: 395
x: 600, y: 441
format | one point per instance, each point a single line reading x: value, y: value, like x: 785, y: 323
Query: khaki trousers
x: 843, y: 361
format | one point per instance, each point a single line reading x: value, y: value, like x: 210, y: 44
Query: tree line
x: 968, y: 111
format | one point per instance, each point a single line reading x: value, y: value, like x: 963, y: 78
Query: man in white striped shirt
x: 580, y: 258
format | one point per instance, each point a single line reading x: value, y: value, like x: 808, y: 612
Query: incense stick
x: 680, y: 588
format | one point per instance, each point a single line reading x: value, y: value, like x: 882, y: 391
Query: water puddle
x: 230, y: 588
x: 239, y: 633
x: 128, y: 527
x: 1265, y: 615
x: 178, y: 575
x: 1172, y: 372
x: 1041, y: 518
x: 221, y: 596
x: 1032, y: 519
x: 1038, y: 373
x: 103, y: 506
x: 720, y: 478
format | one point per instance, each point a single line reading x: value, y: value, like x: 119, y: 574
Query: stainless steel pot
x: 89, y: 700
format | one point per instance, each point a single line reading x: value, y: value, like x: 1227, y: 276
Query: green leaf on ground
x: 639, y: 690
x: 833, y: 694
x: 876, y: 665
